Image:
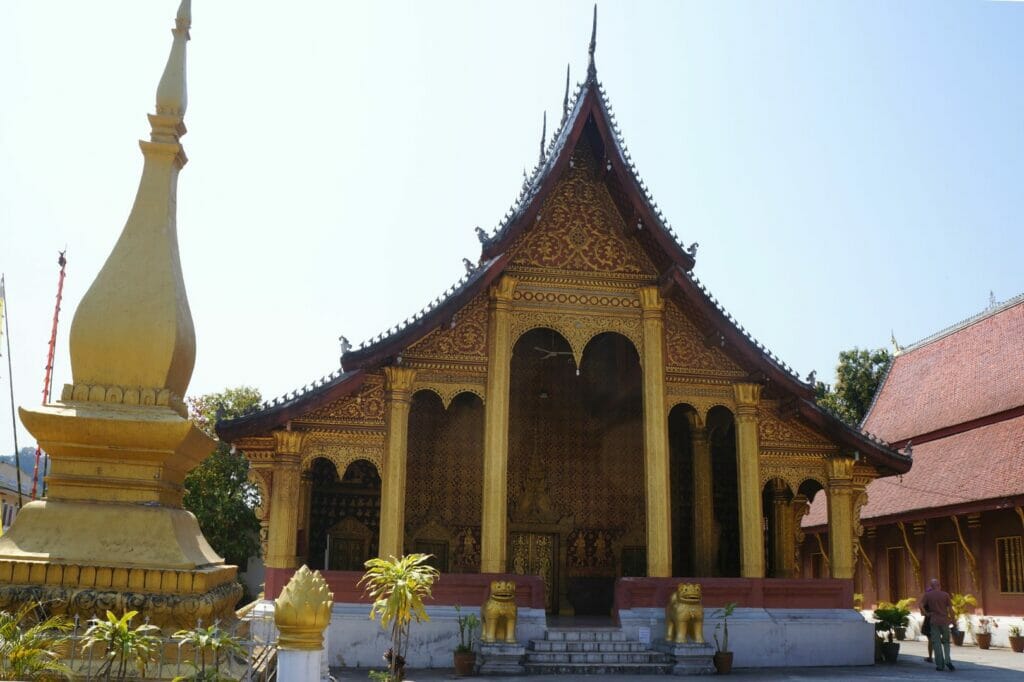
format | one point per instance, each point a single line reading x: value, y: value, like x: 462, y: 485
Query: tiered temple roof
x: 586, y: 112
x: 958, y: 398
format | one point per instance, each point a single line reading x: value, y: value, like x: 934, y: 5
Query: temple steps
x: 597, y: 651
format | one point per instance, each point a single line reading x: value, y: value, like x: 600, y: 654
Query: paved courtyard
x: 971, y: 664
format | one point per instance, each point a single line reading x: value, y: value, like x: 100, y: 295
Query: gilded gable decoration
x: 687, y: 350
x: 465, y: 338
x: 365, y: 406
x: 580, y: 228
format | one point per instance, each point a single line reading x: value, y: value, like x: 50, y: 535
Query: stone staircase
x: 592, y: 651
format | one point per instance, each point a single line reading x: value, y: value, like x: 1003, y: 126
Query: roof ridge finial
x: 171, y: 94
x: 591, y: 67
x: 543, y: 137
x: 565, y: 100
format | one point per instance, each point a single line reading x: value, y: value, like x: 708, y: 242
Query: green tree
x: 858, y: 377
x: 218, y: 491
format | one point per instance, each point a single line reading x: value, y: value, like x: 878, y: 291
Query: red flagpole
x: 48, y: 378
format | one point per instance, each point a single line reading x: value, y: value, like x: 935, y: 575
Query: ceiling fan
x: 546, y: 354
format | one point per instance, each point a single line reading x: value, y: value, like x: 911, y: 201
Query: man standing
x: 938, y: 609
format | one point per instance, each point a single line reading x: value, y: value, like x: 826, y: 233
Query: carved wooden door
x: 536, y: 554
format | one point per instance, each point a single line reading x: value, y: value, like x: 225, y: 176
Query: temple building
x: 956, y: 399
x: 577, y: 407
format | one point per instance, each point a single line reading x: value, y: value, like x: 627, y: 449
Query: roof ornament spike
x: 543, y: 138
x: 565, y: 100
x: 171, y: 93
x: 591, y: 67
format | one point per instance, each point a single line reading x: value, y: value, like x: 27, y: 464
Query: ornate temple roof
x: 586, y: 111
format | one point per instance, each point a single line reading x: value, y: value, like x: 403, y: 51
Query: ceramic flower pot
x: 983, y: 639
x: 1017, y: 644
x: 723, y: 662
x: 465, y: 663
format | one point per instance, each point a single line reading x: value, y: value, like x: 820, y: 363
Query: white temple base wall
x: 773, y: 638
x: 355, y: 641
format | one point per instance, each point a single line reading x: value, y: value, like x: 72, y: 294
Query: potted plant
x: 1016, y: 640
x: 904, y: 604
x: 983, y: 634
x: 723, y: 656
x: 397, y: 588
x: 961, y: 603
x: 464, y: 656
x: 888, y: 617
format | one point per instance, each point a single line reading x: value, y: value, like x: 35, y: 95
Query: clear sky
x: 848, y: 168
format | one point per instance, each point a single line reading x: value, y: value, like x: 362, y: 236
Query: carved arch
x: 578, y: 330
x: 449, y: 392
x: 342, y: 457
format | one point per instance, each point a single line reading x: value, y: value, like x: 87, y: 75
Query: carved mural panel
x: 466, y: 338
x: 580, y: 229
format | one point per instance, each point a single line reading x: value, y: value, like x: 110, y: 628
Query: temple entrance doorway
x: 344, y: 515
x: 725, y: 492
x: 575, y: 471
x: 443, y: 480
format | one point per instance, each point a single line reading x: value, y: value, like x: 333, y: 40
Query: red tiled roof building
x: 956, y: 400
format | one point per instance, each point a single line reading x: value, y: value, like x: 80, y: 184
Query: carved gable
x: 686, y: 349
x: 580, y: 229
x: 365, y: 406
x: 465, y: 339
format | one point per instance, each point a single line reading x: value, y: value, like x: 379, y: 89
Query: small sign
x: 644, y: 635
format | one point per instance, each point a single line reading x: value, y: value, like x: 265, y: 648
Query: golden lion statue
x: 684, y: 615
x: 499, y: 613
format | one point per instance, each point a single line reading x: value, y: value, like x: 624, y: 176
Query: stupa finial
x: 591, y: 67
x: 543, y: 137
x: 172, y: 94
x: 133, y: 328
x: 565, y: 99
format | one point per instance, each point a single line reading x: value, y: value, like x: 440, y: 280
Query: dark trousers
x: 940, y: 645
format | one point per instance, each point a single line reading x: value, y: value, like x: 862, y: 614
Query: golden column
x: 703, y: 500
x: 748, y: 471
x: 840, y: 516
x: 494, y: 524
x: 112, y: 530
x: 398, y: 393
x: 656, y: 462
x: 285, y: 500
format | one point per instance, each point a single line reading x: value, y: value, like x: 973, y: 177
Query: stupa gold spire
x: 119, y: 440
x: 132, y: 333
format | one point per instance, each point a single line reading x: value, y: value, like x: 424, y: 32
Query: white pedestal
x: 690, y: 658
x: 502, y: 659
x: 298, y: 666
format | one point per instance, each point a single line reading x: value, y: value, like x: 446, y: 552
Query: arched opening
x: 779, y: 534
x: 444, y: 468
x: 682, y: 429
x: 576, y: 491
x: 725, y: 492
x: 810, y: 561
x: 344, y: 515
